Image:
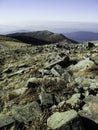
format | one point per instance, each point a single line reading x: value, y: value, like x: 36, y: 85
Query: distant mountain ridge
x: 82, y: 36
x: 39, y: 37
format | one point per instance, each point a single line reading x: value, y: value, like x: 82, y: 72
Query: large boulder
x: 89, y: 113
x: 68, y: 120
x: 83, y: 65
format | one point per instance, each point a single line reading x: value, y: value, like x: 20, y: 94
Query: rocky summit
x: 48, y: 82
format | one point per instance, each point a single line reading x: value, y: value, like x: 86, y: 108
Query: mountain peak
x: 39, y: 37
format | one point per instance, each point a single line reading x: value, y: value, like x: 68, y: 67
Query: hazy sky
x: 24, y: 14
x: 28, y: 11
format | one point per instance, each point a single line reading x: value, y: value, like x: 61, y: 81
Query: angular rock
x: 89, y: 113
x: 57, y: 70
x: 61, y: 61
x: 20, y: 72
x: 46, y: 98
x: 83, y: 65
x: 26, y: 113
x: 95, y: 59
x: 6, y: 120
x: 8, y: 70
x: 87, y: 84
x: 33, y: 82
x: 68, y: 120
x: 74, y: 100
x: 20, y: 91
x: 66, y: 76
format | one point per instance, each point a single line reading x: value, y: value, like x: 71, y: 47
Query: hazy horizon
x: 53, y: 15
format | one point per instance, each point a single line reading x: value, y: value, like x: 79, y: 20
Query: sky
x: 39, y: 12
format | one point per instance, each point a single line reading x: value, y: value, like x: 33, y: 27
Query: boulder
x: 89, y: 113
x: 57, y: 70
x: 83, y: 65
x: 68, y: 120
x: 74, y: 100
x: 27, y: 113
x: 6, y: 120
x: 87, y: 84
x: 66, y: 76
x: 61, y: 61
x: 33, y: 82
x: 95, y: 58
x: 46, y: 98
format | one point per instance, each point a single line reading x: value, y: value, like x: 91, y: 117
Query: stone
x: 68, y: 120
x: 67, y: 77
x: 20, y: 72
x: 61, y: 61
x: 46, y: 98
x: 33, y: 82
x: 90, y: 45
x: 20, y: 91
x: 89, y: 113
x: 74, y: 100
x: 87, y: 84
x: 95, y: 58
x: 45, y: 72
x: 83, y: 65
x: 23, y: 65
x: 8, y: 70
x: 27, y: 113
x: 57, y: 70
x: 6, y: 120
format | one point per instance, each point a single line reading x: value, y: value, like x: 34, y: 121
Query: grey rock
x: 6, y: 120
x: 90, y: 112
x: 83, y: 65
x: 74, y: 100
x: 34, y: 82
x: 20, y: 72
x: 46, y: 98
x: 68, y: 120
x: 87, y: 82
x: 45, y: 72
x: 20, y: 91
x: 95, y: 59
x: 61, y: 61
x: 66, y: 76
x: 26, y: 113
x: 57, y: 70
x: 8, y: 70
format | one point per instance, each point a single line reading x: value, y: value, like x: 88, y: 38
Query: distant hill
x: 6, y: 38
x: 82, y: 36
x: 39, y: 37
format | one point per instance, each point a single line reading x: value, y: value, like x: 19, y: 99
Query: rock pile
x: 55, y: 88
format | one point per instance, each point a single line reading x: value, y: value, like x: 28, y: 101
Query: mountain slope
x: 82, y: 36
x: 39, y: 37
